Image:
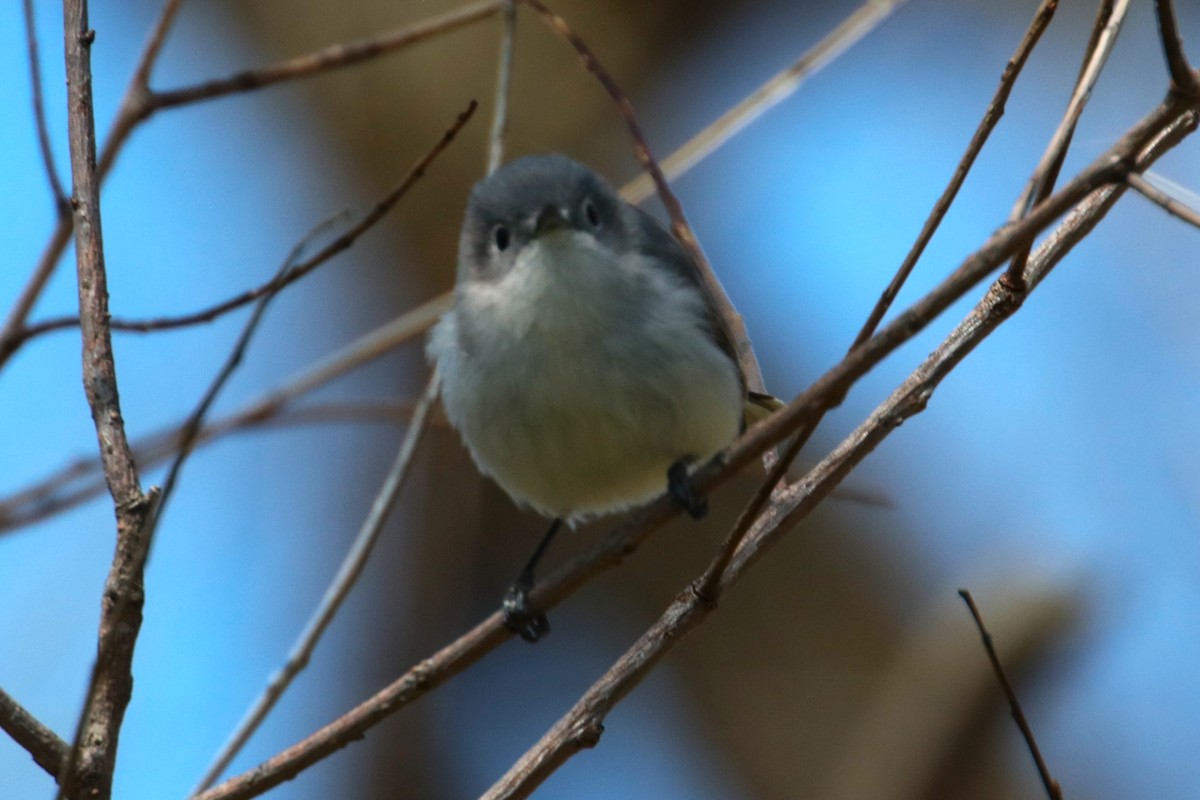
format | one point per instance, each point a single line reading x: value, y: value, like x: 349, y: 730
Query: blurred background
x: 1054, y: 473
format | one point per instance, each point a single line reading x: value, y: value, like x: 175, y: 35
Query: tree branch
x: 581, y: 726
x: 1041, y: 183
x: 1053, y: 790
x: 503, y: 81
x: 710, y: 585
x: 335, y: 56
x: 1158, y: 131
x: 774, y: 91
x: 60, y: 491
x: 339, y: 589
x: 1169, y: 204
x: 62, y: 205
x: 1183, y: 79
x: 48, y: 751
x: 679, y: 224
x: 93, y: 754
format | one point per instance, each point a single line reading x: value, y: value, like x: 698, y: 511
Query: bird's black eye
x: 589, y: 211
x: 501, y: 237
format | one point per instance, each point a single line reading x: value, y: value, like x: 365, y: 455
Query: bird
x: 583, y: 362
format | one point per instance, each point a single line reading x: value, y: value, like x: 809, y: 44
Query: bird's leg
x: 679, y: 486
x: 519, y: 615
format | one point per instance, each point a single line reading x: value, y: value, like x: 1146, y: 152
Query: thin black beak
x: 550, y: 218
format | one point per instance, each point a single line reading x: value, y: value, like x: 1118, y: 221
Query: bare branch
x: 364, y: 543
x: 1183, y: 79
x: 139, y: 103
x: 330, y: 58
x: 340, y: 244
x: 777, y: 89
x: 1168, y: 203
x: 1041, y: 182
x: 709, y: 585
x: 48, y: 751
x: 93, y: 754
x: 83, y: 479
x: 503, y: 82
x: 995, y: 110
x: 1053, y: 790
x: 1158, y: 132
x: 10, y: 335
x: 339, y: 589
x: 581, y: 726
x: 190, y: 432
x: 679, y: 224
x: 62, y: 205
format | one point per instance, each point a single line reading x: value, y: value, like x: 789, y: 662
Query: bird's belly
x: 573, y: 436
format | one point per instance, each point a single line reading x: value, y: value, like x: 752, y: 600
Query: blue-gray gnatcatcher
x: 583, y: 363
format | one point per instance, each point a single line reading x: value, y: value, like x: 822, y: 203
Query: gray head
x: 530, y: 197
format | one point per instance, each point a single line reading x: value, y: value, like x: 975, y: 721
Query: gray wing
x: 654, y: 239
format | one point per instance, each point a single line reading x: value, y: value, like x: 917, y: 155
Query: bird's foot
x: 520, y: 616
x: 679, y: 486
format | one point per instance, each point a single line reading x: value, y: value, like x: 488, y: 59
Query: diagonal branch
x: 1041, y: 183
x: 1183, y: 79
x: 581, y: 727
x: 679, y: 225
x: 710, y: 584
x: 43, y: 744
x: 339, y: 589
x: 10, y: 338
x: 83, y: 479
x: 773, y: 92
x: 335, y: 56
x: 1169, y: 204
x: 1158, y: 132
x: 1053, y: 790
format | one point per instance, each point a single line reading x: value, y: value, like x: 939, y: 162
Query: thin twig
x: 342, y: 243
x: 1053, y: 790
x: 189, y: 433
x: 679, y: 225
x: 10, y: 335
x: 729, y: 124
x: 48, y: 751
x: 580, y: 727
x: 356, y: 558
x: 1168, y: 203
x: 1183, y: 79
x: 192, y: 427
x: 995, y: 110
x: 93, y: 753
x: 1174, y: 117
x: 62, y: 206
x: 140, y: 103
x: 62, y: 489
x: 339, y: 589
x: 335, y: 56
x: 1045, y: 174
x: 710, y: 583
x: 503, y: 84
x: 770, y: 94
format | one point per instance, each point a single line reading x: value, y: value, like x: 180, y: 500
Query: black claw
x: 679, y: 486
x: 521, y: 617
